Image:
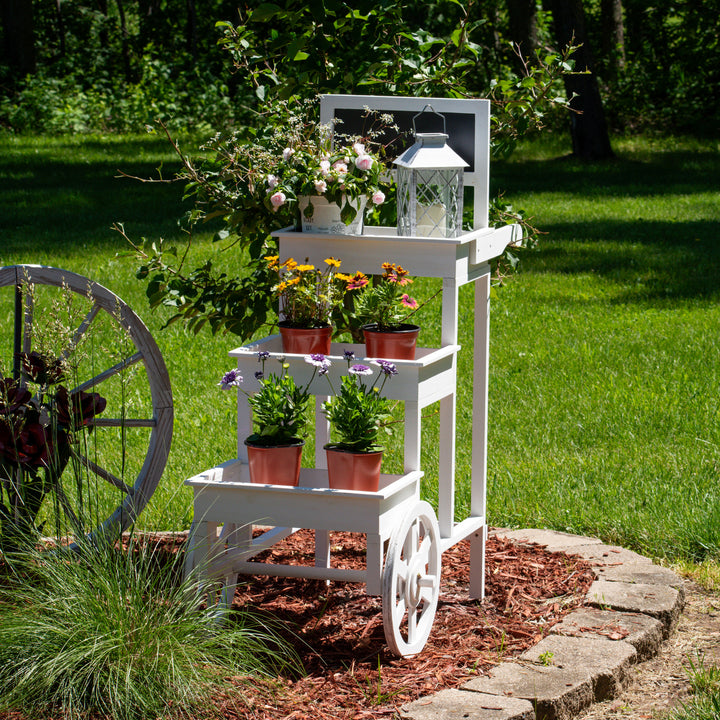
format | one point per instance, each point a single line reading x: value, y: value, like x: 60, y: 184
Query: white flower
x: 320, y: 186
x: 277, y: 200
x: 272, y: 181
x: 288, y: 153
x: 340, y: 168
x: 359, y: 148
x: 364, y: 162
x: 324, y: 167
x: 378, y: 197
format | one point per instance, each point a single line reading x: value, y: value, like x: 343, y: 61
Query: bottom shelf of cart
x: 224, y: 494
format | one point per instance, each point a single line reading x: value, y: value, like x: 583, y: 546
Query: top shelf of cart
x: 422, y: 256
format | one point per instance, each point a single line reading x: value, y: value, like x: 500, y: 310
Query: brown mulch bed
x: 337, y: 629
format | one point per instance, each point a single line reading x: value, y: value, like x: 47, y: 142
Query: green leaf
x: 264, y: 12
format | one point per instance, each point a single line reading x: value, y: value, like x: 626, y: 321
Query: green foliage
x: 386, y: 303
x: 359, y: 412
x: 279, y: 409
x: 118, y: 634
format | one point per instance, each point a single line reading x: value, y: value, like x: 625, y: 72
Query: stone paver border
x: 630, y: 609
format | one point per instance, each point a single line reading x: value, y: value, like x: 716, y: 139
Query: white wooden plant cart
x: 405, y: 540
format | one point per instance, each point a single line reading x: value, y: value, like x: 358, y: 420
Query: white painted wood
x: 411, y: 581
x: 135, y: 494
x: 446, y: 464
x: 477, y: 563
x: 413, y: 440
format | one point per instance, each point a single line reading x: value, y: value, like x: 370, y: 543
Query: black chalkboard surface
x: 460, y: 128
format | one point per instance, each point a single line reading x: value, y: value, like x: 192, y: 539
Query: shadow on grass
x: 642, y: 174
x: 66, y: 197
x: 653, y: 259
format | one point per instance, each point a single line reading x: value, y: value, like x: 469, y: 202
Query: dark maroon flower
x: 41, y: 369
x: 12, y: 396
x: 25, y: 443
x: 77, y: 409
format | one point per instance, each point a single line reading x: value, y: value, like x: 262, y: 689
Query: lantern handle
x: 432, y: 110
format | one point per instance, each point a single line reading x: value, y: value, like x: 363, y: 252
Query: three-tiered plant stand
x: 405, y: 538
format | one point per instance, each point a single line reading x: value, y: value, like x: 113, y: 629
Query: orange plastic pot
x: 275, y: 465
x: 391, y: 344
x: 306, y: 341
x: 353, y: 470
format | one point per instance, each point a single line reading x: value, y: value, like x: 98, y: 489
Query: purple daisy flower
x: 386, y: 367
x: 360, y: 370
x: 349, y: 355
x: 318, y: 360
x: 263, y: 355
x: 232, y: 378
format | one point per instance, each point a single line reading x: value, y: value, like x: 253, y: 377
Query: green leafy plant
x: 359, y: 412
x: 116, y: 633
x: 280, y: 405
x: 309, y: 296
x: 385, y: 304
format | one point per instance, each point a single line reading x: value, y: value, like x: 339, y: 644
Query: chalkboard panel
x: 460, y: 128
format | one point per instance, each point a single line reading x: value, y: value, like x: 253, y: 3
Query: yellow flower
x: 293, y: 281
x: 272, y: 260
x: 343, y: 277
x: 290, y: 264
x: 305, y: 268
x: 332, y: 262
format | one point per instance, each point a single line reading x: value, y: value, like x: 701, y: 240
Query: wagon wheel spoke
x: 121, y: 422
x: 102, y: 473
x: 106, y: 374
x: 80, y: 332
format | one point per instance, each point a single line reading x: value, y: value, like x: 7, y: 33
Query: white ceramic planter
x: 326, y: 216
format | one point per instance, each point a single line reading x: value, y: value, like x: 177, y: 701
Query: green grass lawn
x: 604, y: 349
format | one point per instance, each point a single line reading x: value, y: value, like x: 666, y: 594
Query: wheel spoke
x: 121, y: 422
x: 412, y: 626
x: 102, y: 473
x: 105, y: 374
x: 82, y: 329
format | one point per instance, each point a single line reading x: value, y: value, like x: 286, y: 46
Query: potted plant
x: 384, y: 308
x: 330, y: 185
x: 279, y: 417
x: 357, y: 415
x: 308, y: 298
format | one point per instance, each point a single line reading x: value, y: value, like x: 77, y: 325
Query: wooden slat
x: 114, y: 370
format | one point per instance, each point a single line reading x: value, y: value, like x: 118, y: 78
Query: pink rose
x: 364, y: 162
x: 277, y: 200
x: 272, y: 181
x: 359, y: 148
x: 378, y: 197
x: 340, y: 168
x: 320, y: 186
x: 324, y: 167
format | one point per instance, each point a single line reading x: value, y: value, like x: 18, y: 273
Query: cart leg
x: 235, y: 537
x: 477, y: 564
x: 374, y: 560
x: 322, y: 548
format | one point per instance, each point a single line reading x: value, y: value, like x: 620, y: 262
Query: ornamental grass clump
x: 115, y: 633
x: 359, y: 412
x: 310, y: 297
x: 386, y: 305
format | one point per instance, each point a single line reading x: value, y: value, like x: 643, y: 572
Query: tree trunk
x: 523, y: 26
x: 588, y: 127
x: 613, y: 35
x: 191, y: 30
x: 19, y: 36
x: 125, y: 42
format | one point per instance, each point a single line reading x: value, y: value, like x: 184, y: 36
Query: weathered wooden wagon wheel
x: 111, y: 352
x: 411, y: 581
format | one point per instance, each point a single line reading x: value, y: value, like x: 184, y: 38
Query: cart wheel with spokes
x: 73, y: 319
x: 411, y: 581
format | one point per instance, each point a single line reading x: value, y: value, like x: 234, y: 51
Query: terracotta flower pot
x: 305, y: 341
x: 391, y: 344
x: 275, y: 465
x: 353, y: 470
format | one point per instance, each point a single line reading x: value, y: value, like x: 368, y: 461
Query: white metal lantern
x: 430, y: 186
